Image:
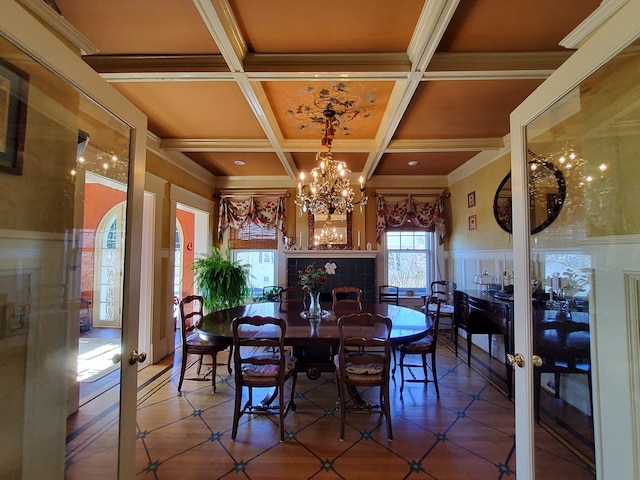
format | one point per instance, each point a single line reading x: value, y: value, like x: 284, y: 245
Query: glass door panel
x: 64, y: 171
x: 585, y: 264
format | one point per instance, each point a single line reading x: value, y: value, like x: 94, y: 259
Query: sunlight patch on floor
x: 95, y: 358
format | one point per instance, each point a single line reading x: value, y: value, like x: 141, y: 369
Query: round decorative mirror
x: 547, y: 192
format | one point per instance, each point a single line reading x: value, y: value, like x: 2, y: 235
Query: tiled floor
x: 467, y: 433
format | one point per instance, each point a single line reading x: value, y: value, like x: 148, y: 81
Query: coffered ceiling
x: 225, y: 82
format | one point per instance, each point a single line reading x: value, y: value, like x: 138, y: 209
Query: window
x: 256, y: 247
x: 410, y: 260
x: 262, y: 268
x: 569, y: 274
x: 177, y: 269
x: 108, y: 262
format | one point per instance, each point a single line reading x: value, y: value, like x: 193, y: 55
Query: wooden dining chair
x: 346, y: 299
x: 294, y: 297
x: 363, y: 360
x: 443, y: 290
x: 388, y: 294
x: 253, y: 337
x: 271, y: 293
x: 192, y: 344
x: 564, y: 347
x: 423, y: 347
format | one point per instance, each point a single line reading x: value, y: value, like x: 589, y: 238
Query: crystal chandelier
x: 328, y: 235
x: 329, y: 191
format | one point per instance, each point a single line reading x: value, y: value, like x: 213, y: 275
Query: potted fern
x: 222, y: 282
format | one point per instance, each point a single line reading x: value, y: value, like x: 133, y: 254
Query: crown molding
x: 59, y: 25
x: 179, y: 160
x: 481, y: 160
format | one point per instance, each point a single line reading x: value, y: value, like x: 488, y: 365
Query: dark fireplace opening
x: 352, y: 272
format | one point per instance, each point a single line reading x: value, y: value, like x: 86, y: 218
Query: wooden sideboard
x: 491, y: 316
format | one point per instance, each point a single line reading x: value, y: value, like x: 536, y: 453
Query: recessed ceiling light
x: 238, y: 162
x: 412, y: 163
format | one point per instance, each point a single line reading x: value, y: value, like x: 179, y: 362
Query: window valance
x: 265, y: 212
x: 409, y: 211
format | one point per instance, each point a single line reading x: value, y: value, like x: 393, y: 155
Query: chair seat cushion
x: 367, y: 377
x: 445, y: 309
x: 418, y: 346
x: 194, y: 340
x: 362, y: 367
x: 268, y: 370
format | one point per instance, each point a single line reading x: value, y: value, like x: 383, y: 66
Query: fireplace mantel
x: 330, y: 254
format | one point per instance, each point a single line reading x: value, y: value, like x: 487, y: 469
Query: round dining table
x: 310, y: 337
x: 408, y: 324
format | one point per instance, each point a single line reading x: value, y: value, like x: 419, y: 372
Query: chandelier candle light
x: 328, y: 235
x: 329, y: 191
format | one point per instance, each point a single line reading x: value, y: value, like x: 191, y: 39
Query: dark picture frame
x: 472, y: 222
x: 471, y: 199
x: 14, y: 85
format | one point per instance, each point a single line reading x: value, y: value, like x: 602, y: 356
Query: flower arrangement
x: 312, y: 278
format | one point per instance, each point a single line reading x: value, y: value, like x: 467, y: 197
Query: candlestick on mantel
x: 358, y: 239
x: 300, y: 239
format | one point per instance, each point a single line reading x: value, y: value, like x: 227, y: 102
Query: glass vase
x: 315, y: 309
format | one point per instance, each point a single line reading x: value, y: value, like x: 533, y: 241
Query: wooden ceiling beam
x: 445, y: 145
x: 326, y: 67
x: 215, y: 145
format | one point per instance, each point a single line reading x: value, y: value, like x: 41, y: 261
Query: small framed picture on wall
x: 472, y: 222
x: 471, y: 199
x: 14, y: 86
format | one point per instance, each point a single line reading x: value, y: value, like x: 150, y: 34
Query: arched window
x: 109, y: 264
x: 178, y: 262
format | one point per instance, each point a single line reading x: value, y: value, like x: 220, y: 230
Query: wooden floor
x: 466, y: 433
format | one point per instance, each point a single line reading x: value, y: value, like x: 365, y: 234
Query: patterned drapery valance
x: 409, y: 211
x: 265, y: 212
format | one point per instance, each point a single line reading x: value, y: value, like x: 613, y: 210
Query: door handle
x: 515, y: 360
x: 137, y: 357
x: 133, y: 357
x: 536, y: 360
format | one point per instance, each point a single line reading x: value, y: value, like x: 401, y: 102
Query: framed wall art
x: 471, y: 199
x: 13, y: 117
x: 472, y: 222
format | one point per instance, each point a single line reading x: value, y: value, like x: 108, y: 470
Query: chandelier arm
x: 329, y: 189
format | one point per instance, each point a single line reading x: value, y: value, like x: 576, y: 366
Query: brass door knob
x: 137, y: 357
x: 515, y: 360
x: 537, y: 361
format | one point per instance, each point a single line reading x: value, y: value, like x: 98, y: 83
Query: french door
x: 62, y: 124
x: 577, y: 297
